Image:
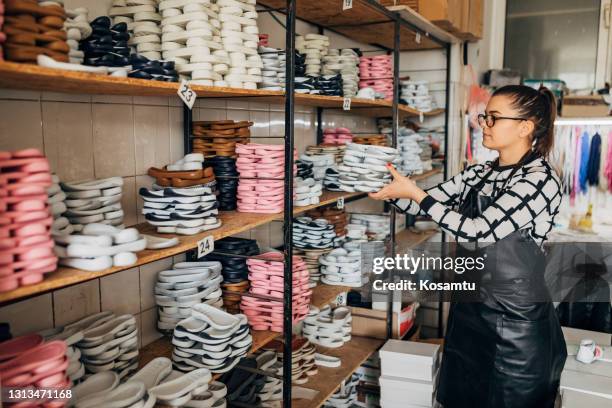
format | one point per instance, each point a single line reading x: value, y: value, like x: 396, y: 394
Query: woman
x: 507, y: 349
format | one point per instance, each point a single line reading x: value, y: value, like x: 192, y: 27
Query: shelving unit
x: 368, y: 22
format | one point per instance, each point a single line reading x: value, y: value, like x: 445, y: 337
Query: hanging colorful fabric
x: 603, y: 180
x: 584, y: 162
x: 609, y: 162
x: 594, y: 160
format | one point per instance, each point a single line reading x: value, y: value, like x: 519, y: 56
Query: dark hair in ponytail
x: 540, y: 107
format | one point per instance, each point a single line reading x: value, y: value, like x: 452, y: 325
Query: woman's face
x: 505, y: 132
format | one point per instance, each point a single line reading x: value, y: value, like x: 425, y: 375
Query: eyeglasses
x: 489, y: 120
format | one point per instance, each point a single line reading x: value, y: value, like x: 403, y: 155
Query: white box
x: 409, y: 359
x: 600, y: 368
x: 400, y: 392
x: 577, y: 399
x: 586, y: 383
x: 573, y: 336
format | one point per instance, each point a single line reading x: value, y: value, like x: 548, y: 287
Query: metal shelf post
x: 288, y: 203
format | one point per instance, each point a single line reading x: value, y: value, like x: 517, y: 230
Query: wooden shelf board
x: 426, y: 175
x: 364, y: 22
x: 33, y: 77
x: 408, y: 239
x: 421, y: 22
x: 327, y: 380
x: 232, y: 223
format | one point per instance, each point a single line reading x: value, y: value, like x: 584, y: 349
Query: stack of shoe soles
x: 226, y: 175
x: 235, y: 268
x: 377, y: 226
x: 95, y: 201
x: 107, y: 45
x: 313, y: 234
x: 377, y: 73
x: 77, y: 28
x: 311, y: 259
x: 343, y: 62
x: 331, y: 181
x: 342, y: 266
x: 142, y: 20
x: 193, y: 389
x: 184, y: 211
x: 374, y: 140
x: 330, y: 85
x: 346, y: 396
x: 112, y: 345
x: 28, y: 362
x: 99, y: 246
x: 232, y: 295
x: 307, y: 191
x: 71, y: 334
x: 337, y: 135
x: 25, y: 237
x: 191, y: 38
x: 187, y: 172
x: 364, y: 167
x: 185, y: 285
x: 144, y: 68
x: 210, y: 338
x: 328, y: 328
x: 239, y: 36
x: 274, y: 68
x: 334, y: 216
x: 155, y: 382
x: 416, y: 95
x: 262, y: 172
x: 337, y: 150
x: 266, y: 277
x: 319, y: 163
x: 304, y: 169
x: 410, y: 152
x: 76, y: 369
x: 33, y: 29
x: 314, y: 47
x: 219, y: 138
x: 245, y: 387
x: 302, y: 358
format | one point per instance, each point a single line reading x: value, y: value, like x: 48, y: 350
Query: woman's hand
x: 400, y: 187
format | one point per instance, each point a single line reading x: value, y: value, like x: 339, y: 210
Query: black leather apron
x: 503, y: 350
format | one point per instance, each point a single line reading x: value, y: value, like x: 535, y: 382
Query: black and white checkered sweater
x: 530, y: 200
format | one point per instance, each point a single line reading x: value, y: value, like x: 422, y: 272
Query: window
x: 554, y: 39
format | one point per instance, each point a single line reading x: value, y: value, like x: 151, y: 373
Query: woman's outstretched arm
x: 538, y: 191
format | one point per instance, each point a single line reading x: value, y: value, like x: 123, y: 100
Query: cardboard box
x: 398, y: 392
x: 584, y: 107
x: 373, y: 323
x: 577, y: 399
x: 410, y: 360
x: 451, y: 15
x: 574, y: 336
x: 475, y: 23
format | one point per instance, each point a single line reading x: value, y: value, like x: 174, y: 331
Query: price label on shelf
x: 418, y: 38
x: 340, y: 203
x: 341, y: 299
x: 346, y: 105
x: 421, y: 117
x: 205, y: 246
x: 347, y: 4
x: 187, y: 95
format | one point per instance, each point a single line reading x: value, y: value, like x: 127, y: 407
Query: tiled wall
x: 88, y: 137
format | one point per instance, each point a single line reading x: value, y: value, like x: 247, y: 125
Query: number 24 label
x: 205, y: 246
